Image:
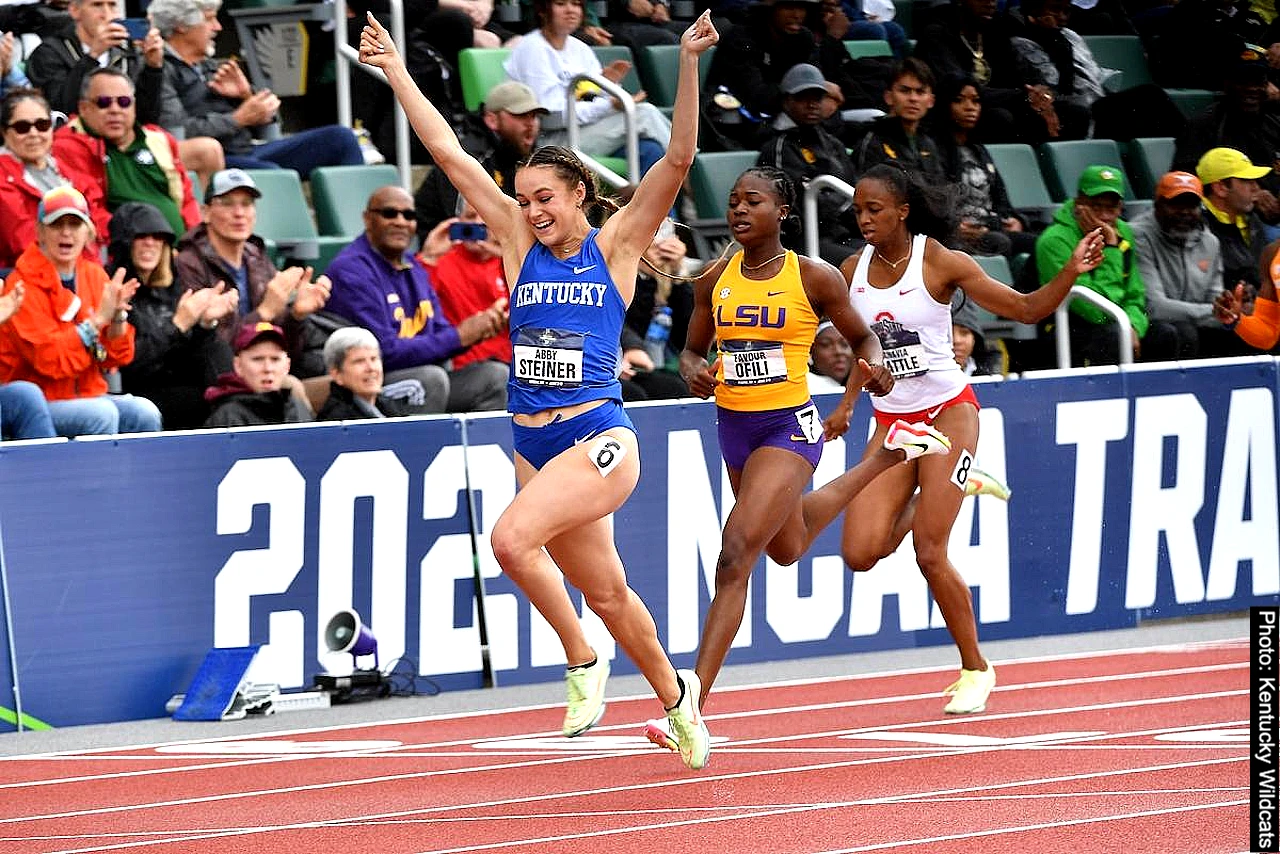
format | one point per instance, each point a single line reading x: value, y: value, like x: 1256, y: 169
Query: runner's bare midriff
x: 557, y: 413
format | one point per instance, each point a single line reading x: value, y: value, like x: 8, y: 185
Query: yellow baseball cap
x: 1218, y: 164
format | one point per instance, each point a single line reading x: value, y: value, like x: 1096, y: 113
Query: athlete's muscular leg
x: 768, y: 491
x: 821, y: 506
x: 566, y: 494
x: 873, y: 523
x: 941, y: 492
x: 589, y: 559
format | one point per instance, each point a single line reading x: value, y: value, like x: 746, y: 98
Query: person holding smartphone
x: 465, y: 263
x: 100, y: 39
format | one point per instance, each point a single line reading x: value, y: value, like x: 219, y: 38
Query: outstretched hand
x: 377, y: 48
x: 1229, y: 305
x: 876, y: 379
x: 700, y: 35
x: 1088, y: 253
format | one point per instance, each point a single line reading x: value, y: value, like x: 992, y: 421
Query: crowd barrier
x: 1137, y: 494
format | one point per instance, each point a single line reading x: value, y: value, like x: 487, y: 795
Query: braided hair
x: 784, y: 190
x: 570, y: 169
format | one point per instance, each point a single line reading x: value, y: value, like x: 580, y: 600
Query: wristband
x: 89, y: 337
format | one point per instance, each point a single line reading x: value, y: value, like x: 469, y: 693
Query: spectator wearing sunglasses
x: 223, y: 250
x: 378, y: 284
x: 28, y: 170
x: 132, y: 161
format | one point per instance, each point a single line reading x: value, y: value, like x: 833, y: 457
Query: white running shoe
x: 969, y: 693
x: 658, y: 731
x: 585, y: 689
x: 916, y: 440
x: 980, y: 482
x: 687, y: 725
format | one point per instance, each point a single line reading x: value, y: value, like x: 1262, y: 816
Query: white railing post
x: 629, y: 114
x: 345, y: 56
x: 809, y: 206
x: 1062, y: 335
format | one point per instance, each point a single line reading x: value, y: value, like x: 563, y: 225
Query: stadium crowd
x: 139, y: 294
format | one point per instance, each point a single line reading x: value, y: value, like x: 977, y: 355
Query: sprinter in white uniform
x: 901, y: 283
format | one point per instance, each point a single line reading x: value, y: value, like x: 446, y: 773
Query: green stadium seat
x: 339, y: 194
x: 479, y: 70
x: 993, y: 326
x: 1192, y: 102
x: 608, y: 53
x: 712, y: 177
x: 1124, y: 54
x: 1018, y: 166
x: 860, y: 48
x: 1063, y: 161
x: 285, y: 219
x: 904, y: 13
x: 660, y: 71
x: 1147, y: 159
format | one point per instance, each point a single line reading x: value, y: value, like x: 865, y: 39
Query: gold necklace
x: 894, y: 264
x: 981, y: 68
x: 754, y: 267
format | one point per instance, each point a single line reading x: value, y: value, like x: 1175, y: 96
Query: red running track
x: 1131, y: 751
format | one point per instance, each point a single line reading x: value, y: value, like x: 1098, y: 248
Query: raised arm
x: 633, y: 227
x: 961, y: 271
x: 499, y: 211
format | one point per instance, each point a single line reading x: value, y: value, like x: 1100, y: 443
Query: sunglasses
x: 391, y: 213
x: 103, y: 102
x: 22, y: 126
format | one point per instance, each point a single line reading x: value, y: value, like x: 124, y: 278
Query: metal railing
x: 632, y: 144
x: 345, y: 56
x: 1062, y: 335
x: 809, y: 208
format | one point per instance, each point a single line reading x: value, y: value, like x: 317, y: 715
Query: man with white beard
x: 1181, y: 265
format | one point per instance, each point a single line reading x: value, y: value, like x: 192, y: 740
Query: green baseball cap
x: 1096, y: 180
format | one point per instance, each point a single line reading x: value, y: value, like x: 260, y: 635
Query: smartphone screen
x: 137, y: 27
x: 468, y: 231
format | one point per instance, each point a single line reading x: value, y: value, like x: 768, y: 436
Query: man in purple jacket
x: 377, y: 284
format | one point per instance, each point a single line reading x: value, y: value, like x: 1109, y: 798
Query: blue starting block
x: 218, y: 691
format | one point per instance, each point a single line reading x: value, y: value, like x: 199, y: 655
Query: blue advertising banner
x: 1141, y: 494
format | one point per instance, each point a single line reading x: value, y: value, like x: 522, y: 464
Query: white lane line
x: 884, y: 800
x: 1232, y: 644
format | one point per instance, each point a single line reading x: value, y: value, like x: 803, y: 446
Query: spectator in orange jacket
x: 28, y: 169
x: 72, y: 326
x: 133, y: 162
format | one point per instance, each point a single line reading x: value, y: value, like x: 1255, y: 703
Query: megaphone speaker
x: 346, y: 633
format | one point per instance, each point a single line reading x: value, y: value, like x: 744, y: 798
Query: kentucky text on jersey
x: 753, y: 315
x: 560, y: 293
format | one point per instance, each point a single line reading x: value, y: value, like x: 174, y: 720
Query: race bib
x: 904, y: 355
x: 549, y: 358
x: 810, y: 424
x: 748, y: 363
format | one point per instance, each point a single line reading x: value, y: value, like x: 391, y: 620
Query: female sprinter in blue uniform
x: 904, y: 280
x: 762, y: 306
x: 577, y: 459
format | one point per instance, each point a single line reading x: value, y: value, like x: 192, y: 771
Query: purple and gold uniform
x: 764, y: 330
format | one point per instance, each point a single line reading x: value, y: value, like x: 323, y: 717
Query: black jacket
x: 806, y: 151
x: 341, y: 406
x: 58, y: 66
x: 234, y: 405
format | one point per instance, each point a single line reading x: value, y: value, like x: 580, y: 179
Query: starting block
x: 220, y: 691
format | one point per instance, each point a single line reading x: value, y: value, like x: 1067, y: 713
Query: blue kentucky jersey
x: 566, y: 325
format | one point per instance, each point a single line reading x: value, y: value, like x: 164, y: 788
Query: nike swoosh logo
x: 903, y: 293
x: 578, y: 271
x: 934, y: 413
x: 589, y: 435
x: 775, y: 293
